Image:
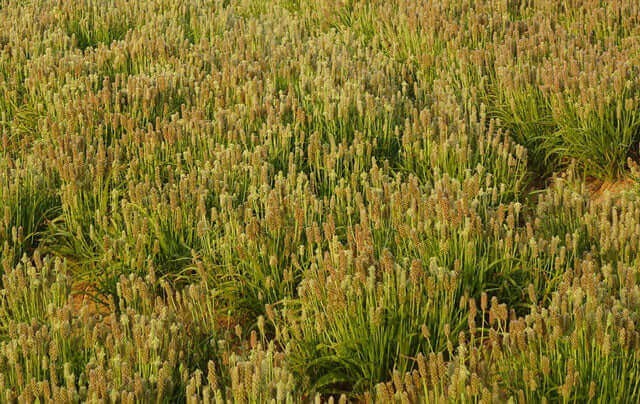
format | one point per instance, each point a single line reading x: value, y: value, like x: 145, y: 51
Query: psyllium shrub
x: 577, y: 225
x: 31, y: 289
x: 464, y: 372
x: 613, y: 226
x: 590, y: 340
x: 351, y: 327
x: 579, y: 347
x: 40, y: 348
x: 92, y: 23
x: 362, y: 299
x: 58, y: 346
x: 525, y: 113
x: 464, y: 142
x: 600, y: 136
x: 28, y: 200
x: 256, y: 377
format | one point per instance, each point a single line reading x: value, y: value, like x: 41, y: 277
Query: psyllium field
x: 250, y: 201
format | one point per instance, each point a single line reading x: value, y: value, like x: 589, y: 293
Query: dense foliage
x: 296, y: 200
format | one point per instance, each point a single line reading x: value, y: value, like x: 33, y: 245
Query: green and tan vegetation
x: 287, y: 201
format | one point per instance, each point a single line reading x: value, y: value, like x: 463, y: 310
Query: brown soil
x: 85, y: 295
x: 600, y: 189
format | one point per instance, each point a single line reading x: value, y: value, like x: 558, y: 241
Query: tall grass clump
x: 527, y: 116
x: 599, y: 133
x: 94, y: 23
x: 349, y: 330
x: 574, y: 349
x: 28, y: 199
x: 53, y: 346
